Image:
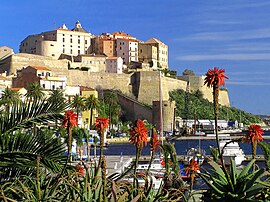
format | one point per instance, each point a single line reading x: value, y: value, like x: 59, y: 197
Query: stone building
x: 60, y: 41
x: 162, y: 52
x: 114, y: 65
x: 15, y: 62
x: 148, y: 54
x: 5, y: 52
x: 41, y: 75
x: 93, y: 62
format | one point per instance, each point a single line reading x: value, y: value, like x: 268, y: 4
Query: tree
x: 78, y: 134
x: 34, y: 91
x: 112, y: 100
x: 91, y: 103
x: 56, y: 96
x: 25, y: 147
x: 78, y: 104
x: 9, y: 97
x: 188, y: 72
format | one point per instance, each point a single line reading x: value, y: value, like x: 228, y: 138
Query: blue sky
x: 233, y: 34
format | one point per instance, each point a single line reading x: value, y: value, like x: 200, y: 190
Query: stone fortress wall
x: 142, y: 85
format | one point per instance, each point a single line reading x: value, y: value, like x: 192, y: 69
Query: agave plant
x: 266, y: 152
x: 242, y: 185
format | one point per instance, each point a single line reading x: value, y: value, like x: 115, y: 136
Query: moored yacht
x: 232, y: 151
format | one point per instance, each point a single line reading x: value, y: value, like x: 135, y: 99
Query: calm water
x: 181, y: 147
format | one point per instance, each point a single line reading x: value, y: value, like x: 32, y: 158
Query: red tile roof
x: 40, y: 68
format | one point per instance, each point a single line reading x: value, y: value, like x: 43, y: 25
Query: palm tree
x: 112, y: 100
x: 78, y: 134
x: 91, y: 103
x: 34, y: 91
x: 215, y: 78
x: 9, y: 97
x: 24, y: 147
x: 56, y: 96
x: 78, y: 104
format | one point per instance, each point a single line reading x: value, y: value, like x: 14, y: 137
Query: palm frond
x: 24, y: 114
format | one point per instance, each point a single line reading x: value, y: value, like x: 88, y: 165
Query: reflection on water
x: 181, y: 147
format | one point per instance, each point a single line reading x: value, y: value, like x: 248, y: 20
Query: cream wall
x: 114, y: 65
x: 56, y: 42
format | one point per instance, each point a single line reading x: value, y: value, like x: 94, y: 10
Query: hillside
x: 188, y: 103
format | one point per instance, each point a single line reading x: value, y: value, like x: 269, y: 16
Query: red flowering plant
x: 154, y: 142
x: 138, y: 137
x: 215, y: 78
x: 154, y: 145
x: 80, y: 169
x: 101, y: 125
x: 70, y: 120
x: 191, y: 169
x: 254, y: 136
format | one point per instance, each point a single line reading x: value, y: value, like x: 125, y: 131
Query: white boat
x: 156, y: 168
x: 195, y: 153
x: 232, y: 151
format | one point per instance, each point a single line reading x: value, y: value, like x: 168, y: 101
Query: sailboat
x: 196, y: 153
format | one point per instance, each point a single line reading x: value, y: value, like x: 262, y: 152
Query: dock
x: 116, y: 164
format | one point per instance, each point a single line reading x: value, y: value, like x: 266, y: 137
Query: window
x: 85, y: 41
x: 43, y: 85
x: 63, y: 50
x: 70, y: 40
x: 123, y: 53
x: 63, y: 39
x: 60, y: 87
x: 63, y: 34
x: 79, y: 41
x: 42, y: 74
x: 79, y: 52
x: 53, y: 87
x: 53, y: 54
x: 70, y: 51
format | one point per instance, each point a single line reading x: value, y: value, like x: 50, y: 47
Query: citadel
x: 75, y: 60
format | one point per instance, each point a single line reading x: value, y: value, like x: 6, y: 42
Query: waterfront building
x: 60, y: 41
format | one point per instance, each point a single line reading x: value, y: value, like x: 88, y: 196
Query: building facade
x: 5, y: 51
x: 148, y: 54
x: 60, y: 41
x: 114, y: 65
x: 41, y: 75
x: 162, y: 52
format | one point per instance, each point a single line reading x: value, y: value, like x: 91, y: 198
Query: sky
x: 230, y: 34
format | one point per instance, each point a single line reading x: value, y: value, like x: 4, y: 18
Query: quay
x: 190, y: 137
x: 119, y: 163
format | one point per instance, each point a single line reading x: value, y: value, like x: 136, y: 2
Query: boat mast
x: 160, y: 107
